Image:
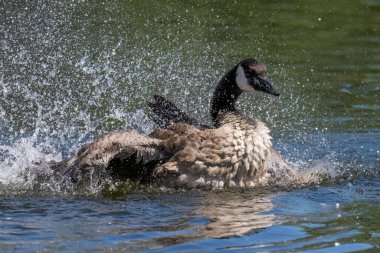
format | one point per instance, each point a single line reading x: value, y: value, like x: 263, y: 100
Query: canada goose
x: 236, y: 153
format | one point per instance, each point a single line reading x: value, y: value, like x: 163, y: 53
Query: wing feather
x: 167, y: 113
x: 95, y: 157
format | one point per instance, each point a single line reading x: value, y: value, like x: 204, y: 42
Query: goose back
x: 231, y: 155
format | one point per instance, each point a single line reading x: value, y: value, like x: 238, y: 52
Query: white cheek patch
x: 242, y: 81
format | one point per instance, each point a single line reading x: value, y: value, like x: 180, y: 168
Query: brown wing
x: 94, y: 158
x: 174, y: 130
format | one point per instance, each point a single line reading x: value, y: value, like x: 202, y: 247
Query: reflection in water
x: 235, y: 214
x: 194, y: 221
x: 215, y: 215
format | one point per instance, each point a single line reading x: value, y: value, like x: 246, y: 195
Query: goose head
x: 251, y: 75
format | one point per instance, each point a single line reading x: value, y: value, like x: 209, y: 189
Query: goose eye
x: 251, y: 73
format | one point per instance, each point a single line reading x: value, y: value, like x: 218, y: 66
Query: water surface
x: 72, y: 70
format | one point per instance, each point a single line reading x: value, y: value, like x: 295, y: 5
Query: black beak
x: 265, y: 86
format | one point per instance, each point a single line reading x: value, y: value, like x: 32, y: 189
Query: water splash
x: 22, y: 166
x: 67, y: 78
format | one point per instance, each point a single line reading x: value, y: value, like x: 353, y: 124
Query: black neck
x: 225, y: 95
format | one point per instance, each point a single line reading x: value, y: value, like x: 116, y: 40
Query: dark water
x: 72, y: 70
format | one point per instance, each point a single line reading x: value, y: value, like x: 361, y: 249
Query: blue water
x: 333, y: 218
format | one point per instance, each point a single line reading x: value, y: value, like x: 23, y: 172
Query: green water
x: 72, y: 70
x: 323, y: 55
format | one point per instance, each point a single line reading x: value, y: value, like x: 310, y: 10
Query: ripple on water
x: 367, y: 107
